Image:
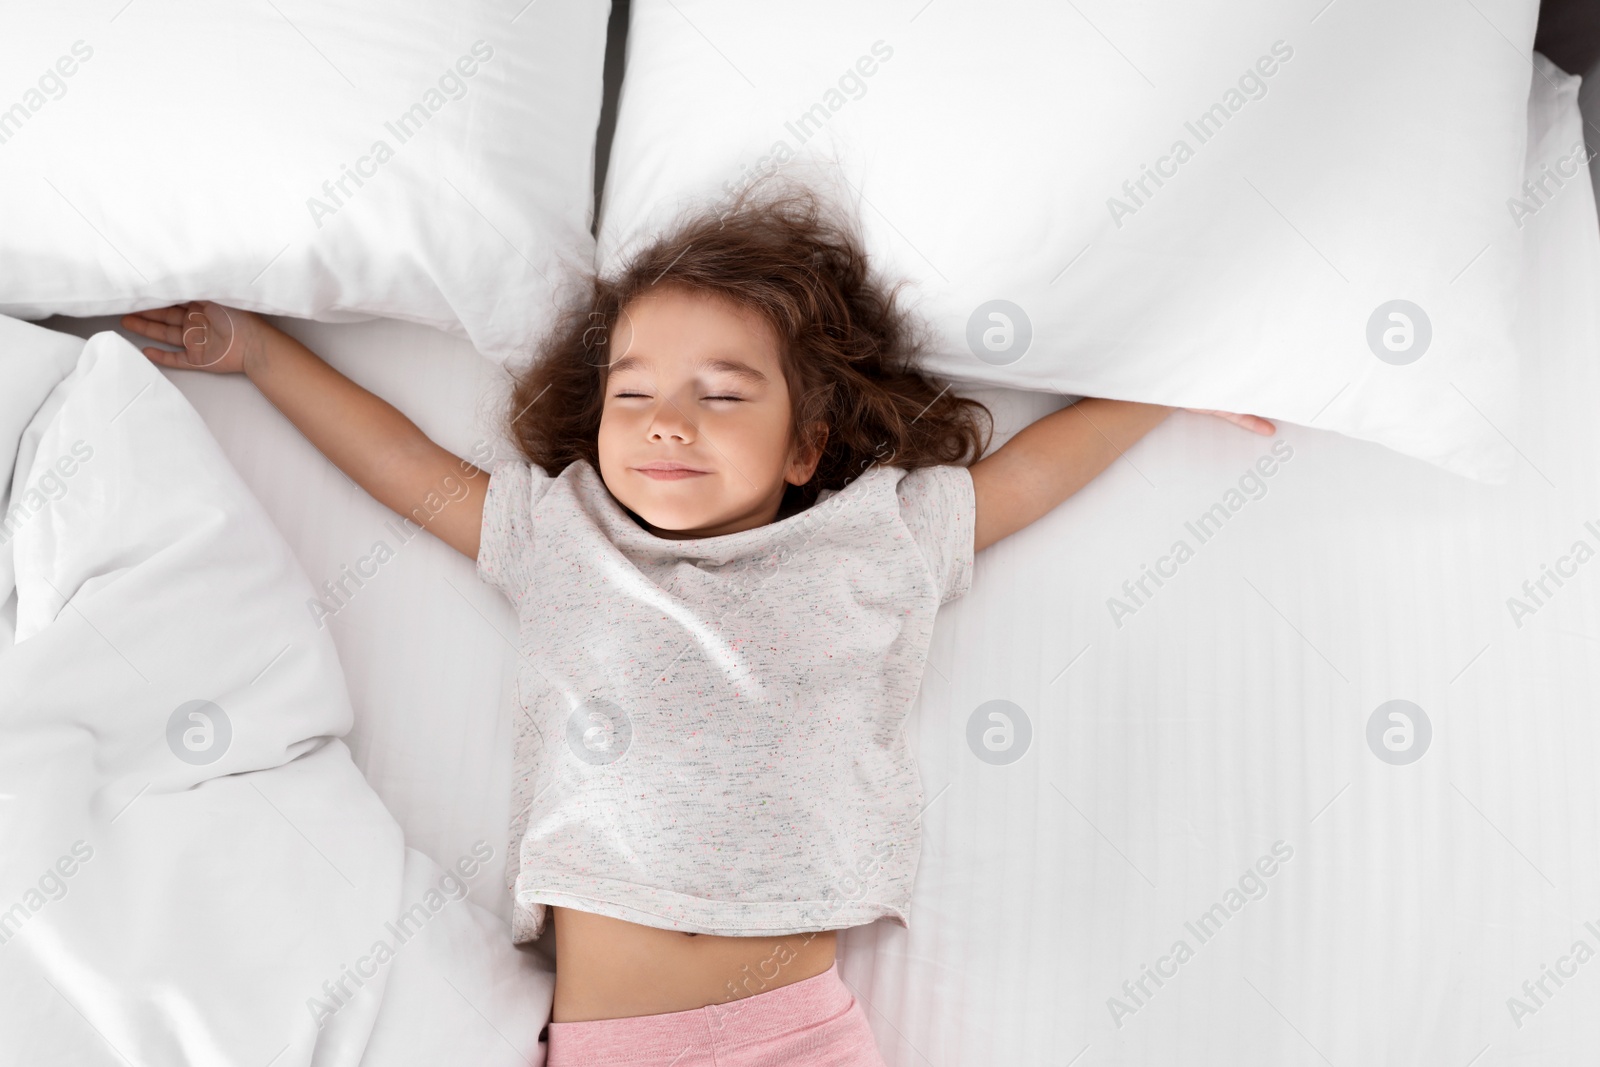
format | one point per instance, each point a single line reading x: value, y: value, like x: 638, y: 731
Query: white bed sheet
x: 1229, y: 713
x: 1168, y: 754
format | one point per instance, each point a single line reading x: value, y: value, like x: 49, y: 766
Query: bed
x: 1341, y: 752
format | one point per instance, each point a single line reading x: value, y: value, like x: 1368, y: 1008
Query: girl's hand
x: 212, y: 337
x: 1253, y: 423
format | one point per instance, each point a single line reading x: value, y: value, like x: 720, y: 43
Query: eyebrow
x: 737, y: 368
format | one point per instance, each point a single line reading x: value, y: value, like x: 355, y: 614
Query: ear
x: 803, y: 461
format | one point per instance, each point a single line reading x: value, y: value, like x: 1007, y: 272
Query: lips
x: 663, y: 471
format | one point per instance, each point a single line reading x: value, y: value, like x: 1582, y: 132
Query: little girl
x: 735, y: 513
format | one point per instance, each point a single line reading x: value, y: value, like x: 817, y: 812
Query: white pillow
x: 1357, y: 155
x: 32, y: 362
x: 349, y: 159
x: 170, y: 703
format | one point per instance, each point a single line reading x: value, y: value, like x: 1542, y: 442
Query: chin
x: 672, y: 507
x: 667, y: 518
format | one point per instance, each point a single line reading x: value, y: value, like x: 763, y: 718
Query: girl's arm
x: 380, y: 449
x: 1049, y: 460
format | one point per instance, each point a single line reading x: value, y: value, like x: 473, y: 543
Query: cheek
x: 609, y: 429
x: 613, y: 419
x: 766, y: 432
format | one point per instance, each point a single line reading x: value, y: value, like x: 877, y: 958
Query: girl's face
x: 696, y: 384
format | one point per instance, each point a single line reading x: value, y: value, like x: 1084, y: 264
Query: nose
x: 669, y: 421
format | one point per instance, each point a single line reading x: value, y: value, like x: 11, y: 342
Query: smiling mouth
x: 669, y: 472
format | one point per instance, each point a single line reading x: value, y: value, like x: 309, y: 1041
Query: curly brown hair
x: 849, y: 352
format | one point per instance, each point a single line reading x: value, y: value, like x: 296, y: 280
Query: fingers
x: 163, y: 358
x: 158, y: 324
x: 171, y: 315
x: 1253, y: 423
x: 156, y: 331
x: 178, y: 360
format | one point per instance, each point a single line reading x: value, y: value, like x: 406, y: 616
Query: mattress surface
x: 1160, y: 746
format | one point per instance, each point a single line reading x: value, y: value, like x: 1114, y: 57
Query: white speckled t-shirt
x: 710, y: 732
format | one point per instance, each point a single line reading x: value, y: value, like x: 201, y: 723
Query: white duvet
x: 195, y: 871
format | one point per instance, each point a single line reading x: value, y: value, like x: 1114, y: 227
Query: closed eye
x: 625, y: 396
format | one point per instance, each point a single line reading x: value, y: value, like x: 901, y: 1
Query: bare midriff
x: 611, y: 969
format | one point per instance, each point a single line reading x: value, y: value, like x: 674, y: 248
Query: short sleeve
x: 505, y: 544
x: 939, y: 507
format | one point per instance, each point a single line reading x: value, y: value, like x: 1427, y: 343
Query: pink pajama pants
x: 816, y: 1021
